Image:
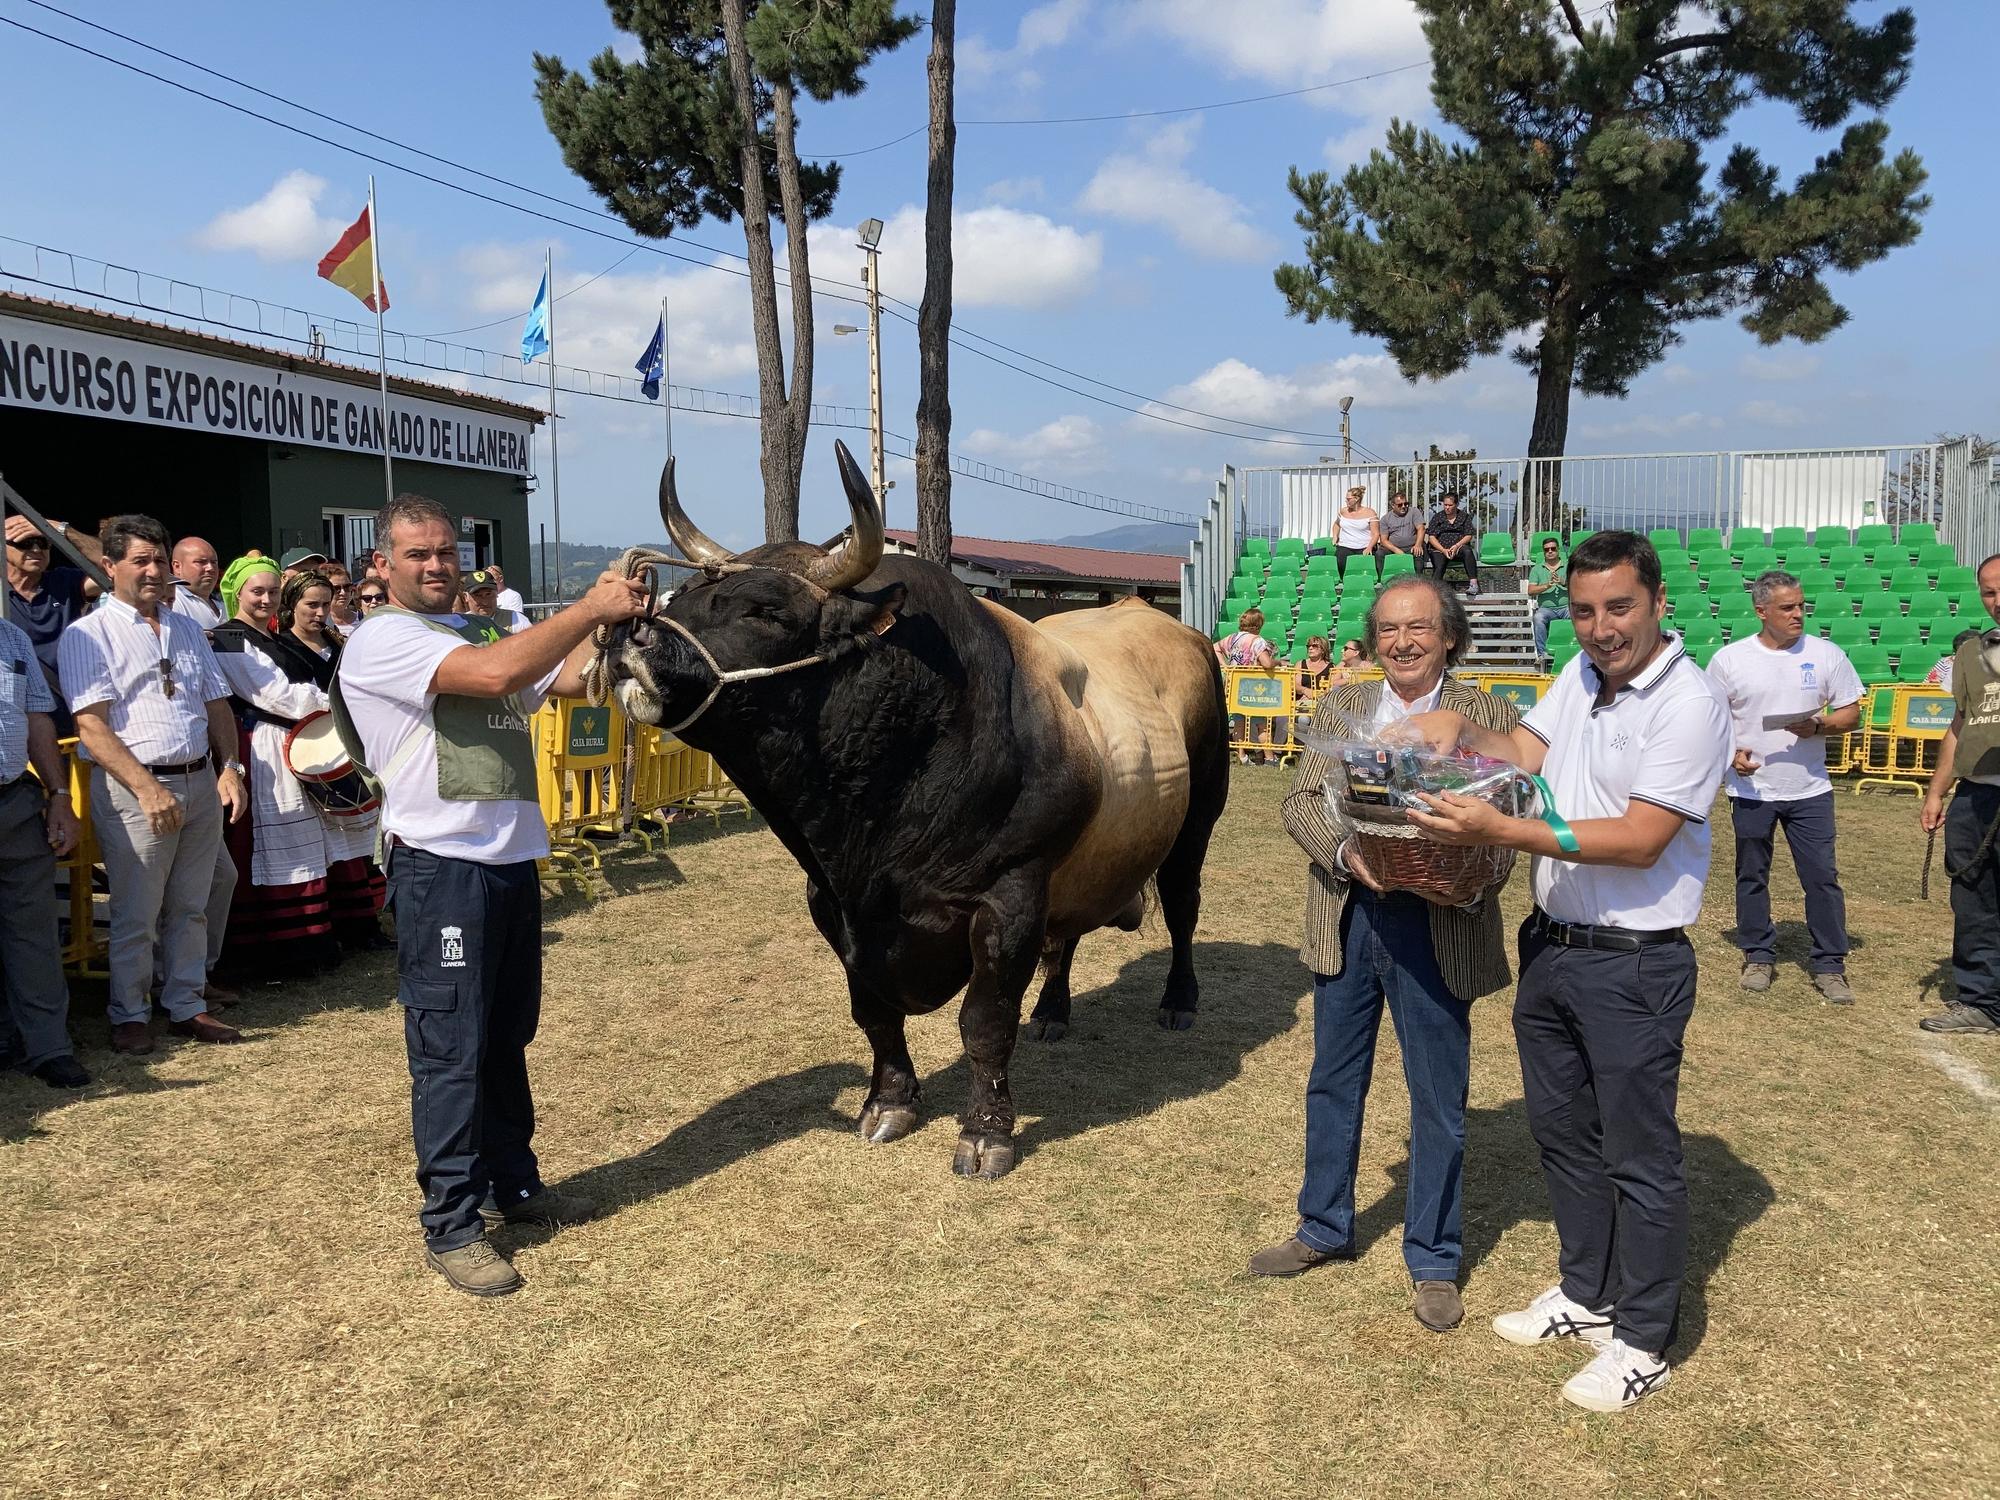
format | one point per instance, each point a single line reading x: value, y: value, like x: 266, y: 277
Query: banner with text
x: 49, y: 367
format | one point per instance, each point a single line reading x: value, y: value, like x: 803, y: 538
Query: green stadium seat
x: 1816, y: 581
x: 1742, y: 539
x: 1899, y: 634
x: 1398, y: 565
x: 1705, y: 538
x: 1910, y: 583
x: 1321, y: 586
x: 1828, y: 537
x: 1708, y: 561
x: 1845, y: 556
x: 1561, y: 656
x: 1258, y: 546
x: 1562, y: 632
x: 1874, y: 535
x: 1848, y: 633
x: 1292, y: 546
x: 1672, y: 559
x: 1882, y: 606
x: 1890, y: 555
x: 1320, y: 546
x: 1935, y: 557
x: 1958, y: 580
x: 1223, y: 627
x: 1496, y: 550
x: 1233, y: 608
x: 1785, y: 537
x: 1935, y: 615
x: 1698, y: 631
x: 1735, y: 607
x: 1917, y: 534
x: 1915, y: 666
x: 1871, y: 663
x: 1796, y: 560
x: 1323, y: 564
x: 1578, y: 538
x: 1666, y: 539
x: 1685, y: 584
x: 1535, y: 543
x: 1862, y: 582
x: 1759, y: 560
x: 1703, y: 652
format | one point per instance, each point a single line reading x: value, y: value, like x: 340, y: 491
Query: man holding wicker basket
x: 1372, y: 936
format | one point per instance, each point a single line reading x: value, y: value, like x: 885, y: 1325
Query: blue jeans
x: 1387, y: 954
x: 1545, y: 616
x: 1808, y: 825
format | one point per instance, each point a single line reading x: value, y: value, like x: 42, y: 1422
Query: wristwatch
x: 233, y: 765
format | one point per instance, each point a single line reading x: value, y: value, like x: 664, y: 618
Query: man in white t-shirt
x: 1787, y: 692
x: 439, y: 705
x: 1632, y: 742
x: 507, y: 598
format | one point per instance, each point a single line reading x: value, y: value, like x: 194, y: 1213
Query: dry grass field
x: 212, y: 1282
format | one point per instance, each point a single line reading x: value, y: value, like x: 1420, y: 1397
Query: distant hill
x: 1164, y: 537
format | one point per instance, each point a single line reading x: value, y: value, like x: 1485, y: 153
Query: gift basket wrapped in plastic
x: 1372, y: 784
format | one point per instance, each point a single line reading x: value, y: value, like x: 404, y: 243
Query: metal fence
x: 1937, y: 484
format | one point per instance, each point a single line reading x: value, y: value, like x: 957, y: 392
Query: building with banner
x: 247, y: 446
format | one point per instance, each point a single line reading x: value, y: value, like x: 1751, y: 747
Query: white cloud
x: 1781, y: 366
x: 979, y: 62
x: 284, y: 224
x: 1153, y: 186
x: 1073, y: 442
x: 1310, y: 395
x: 1678, y: 374
x: 1001, y: 257
x: 1014, y: 190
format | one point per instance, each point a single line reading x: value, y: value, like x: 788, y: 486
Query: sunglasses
x: 32, y: 544
x: 167, y: 676
x: 368, y: 599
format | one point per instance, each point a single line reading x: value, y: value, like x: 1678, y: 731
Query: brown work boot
x: 1290, y: 1257
x: 476, y: 1269
x: 132, y: 1037
x: 547, y: 1207
x: 1757, y: 978
x: 1437, y: 1306
x: 202, y: 1027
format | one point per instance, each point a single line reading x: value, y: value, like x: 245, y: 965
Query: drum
x: 314, y: 754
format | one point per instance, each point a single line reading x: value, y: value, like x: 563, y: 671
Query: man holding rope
x: 1970, y: 753
x: 438, y: 706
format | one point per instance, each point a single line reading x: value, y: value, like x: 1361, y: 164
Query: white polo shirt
x: 114, y: 656
x: 1664, y: 739
x: 1761, y: 684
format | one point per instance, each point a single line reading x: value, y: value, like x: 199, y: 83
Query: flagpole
x: 666, y: 372
x: 381, y: 344
x: 555, y: 463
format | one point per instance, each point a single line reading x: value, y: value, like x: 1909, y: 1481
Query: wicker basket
x: 1402, y: 857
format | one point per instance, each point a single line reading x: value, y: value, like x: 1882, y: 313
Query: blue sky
x: 1136, y: 251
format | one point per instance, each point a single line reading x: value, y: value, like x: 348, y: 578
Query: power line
x: 818, y: 283
x: 559, y: 296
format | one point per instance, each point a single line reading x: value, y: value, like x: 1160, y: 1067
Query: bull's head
x: 777, y: 605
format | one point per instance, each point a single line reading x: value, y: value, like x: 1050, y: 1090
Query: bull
x: 967, y: 793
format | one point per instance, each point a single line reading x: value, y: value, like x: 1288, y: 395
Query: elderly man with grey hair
x: 1787, y: 692
x: 1366, y: 946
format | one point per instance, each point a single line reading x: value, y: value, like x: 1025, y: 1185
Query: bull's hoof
x: 882, y: 1123
x: 1047, y: 1028
x: 1176, y: 1020
x: 983, y: 1155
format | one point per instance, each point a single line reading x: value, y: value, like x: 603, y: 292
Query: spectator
x: 482, y: 591
x: 372, y: 594
x: 1448, y: 538
x: 342, y: 612
x: 1355, y: 533
x: 310, y: 878
x: 1316, y: 674
x: 152, y: 714
x: 1777, y: 777
x: 303, y: 604
x: 1969, y: 754
x: 1366, y: 946
x: 43, y: 601
x: 1548, y: 586
x: 37, y: 824
x: 302, y: 560
x: 1400, y: 530
x: 507, y: 598
x: 1941, y: 674
x: 197, y: 578
x: 1246, y: 647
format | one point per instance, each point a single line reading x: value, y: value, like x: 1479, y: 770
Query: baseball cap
x: 480, y: 580
x: 299, y: 556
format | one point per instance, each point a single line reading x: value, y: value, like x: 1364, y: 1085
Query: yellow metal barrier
x: 84, y: 951
x: 1899, y: 748
x: 1522, y: 689
x: 1254, y: 696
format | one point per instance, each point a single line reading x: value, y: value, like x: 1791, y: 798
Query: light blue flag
x: 535, y: 336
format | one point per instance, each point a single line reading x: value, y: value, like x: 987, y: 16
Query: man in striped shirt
x: 152, y: 713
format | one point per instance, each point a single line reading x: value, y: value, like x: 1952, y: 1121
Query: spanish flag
x: 351, y: 262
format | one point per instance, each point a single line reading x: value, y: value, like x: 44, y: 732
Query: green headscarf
x: 233, y: 576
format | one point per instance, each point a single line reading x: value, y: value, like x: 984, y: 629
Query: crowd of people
x: 183, y: 685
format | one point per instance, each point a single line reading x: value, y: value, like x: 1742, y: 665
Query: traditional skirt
x: 266, y: 919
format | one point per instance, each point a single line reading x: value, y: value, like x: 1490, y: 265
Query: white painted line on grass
x: 1967, y: 1076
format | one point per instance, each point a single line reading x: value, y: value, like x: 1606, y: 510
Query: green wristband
x: 1565, y: 839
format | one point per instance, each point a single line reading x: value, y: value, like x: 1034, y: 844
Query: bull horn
x: 854, y: 559
x: 687, y: 536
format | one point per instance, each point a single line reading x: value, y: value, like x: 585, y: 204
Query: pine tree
x: 1578, y: 210
x: 706, y: 125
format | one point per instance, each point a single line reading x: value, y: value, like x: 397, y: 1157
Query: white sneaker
x: 1619, y: 1377
x: 1553, y: 1316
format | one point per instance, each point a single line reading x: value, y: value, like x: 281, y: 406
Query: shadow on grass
x: 1116, y: 1064
x: 1504, y: 1187
x: 24, y: 1100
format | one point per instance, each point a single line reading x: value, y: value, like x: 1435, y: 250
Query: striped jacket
x: 1470, y: 945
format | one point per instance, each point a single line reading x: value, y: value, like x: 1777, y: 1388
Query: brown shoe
x: 1437, y: 1306
x: 1290, y: 1257
x: 203, y: 1027
x: 476, y: 1269
x: 133, y: 1037
x: 220, y: 994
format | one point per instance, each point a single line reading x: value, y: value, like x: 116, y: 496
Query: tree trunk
x: 781, y: 493
x: 1555, y: 368
x: 934, y: 317
x: 797, y: 416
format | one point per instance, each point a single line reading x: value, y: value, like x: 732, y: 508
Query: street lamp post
x: 1346, y: 441
x: 871, y: 239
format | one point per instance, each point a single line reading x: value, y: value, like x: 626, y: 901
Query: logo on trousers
x: 451, y: 941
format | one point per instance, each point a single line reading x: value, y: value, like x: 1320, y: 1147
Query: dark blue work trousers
x: 469, y: 972
x: 1808, y: 825
x: 1600, y: 1037
x: 1386, y: 954
x: 1975, y: 895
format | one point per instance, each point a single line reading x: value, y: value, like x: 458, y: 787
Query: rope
x: 597, y: 671
x: 1978, y: 854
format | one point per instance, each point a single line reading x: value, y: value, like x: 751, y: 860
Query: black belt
x: 187, y: 769
x: 1584, y: 935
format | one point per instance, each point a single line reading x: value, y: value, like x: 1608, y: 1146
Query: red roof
x: 1048, y: 559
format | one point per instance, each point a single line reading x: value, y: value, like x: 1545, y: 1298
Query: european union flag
x: 535, y: 336
x: 652, y: 364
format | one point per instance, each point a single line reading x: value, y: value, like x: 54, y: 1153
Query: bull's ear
x: 861, y: 613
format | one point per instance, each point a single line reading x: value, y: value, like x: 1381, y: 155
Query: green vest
x: 1978, y: 693
x: 485, y: 749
